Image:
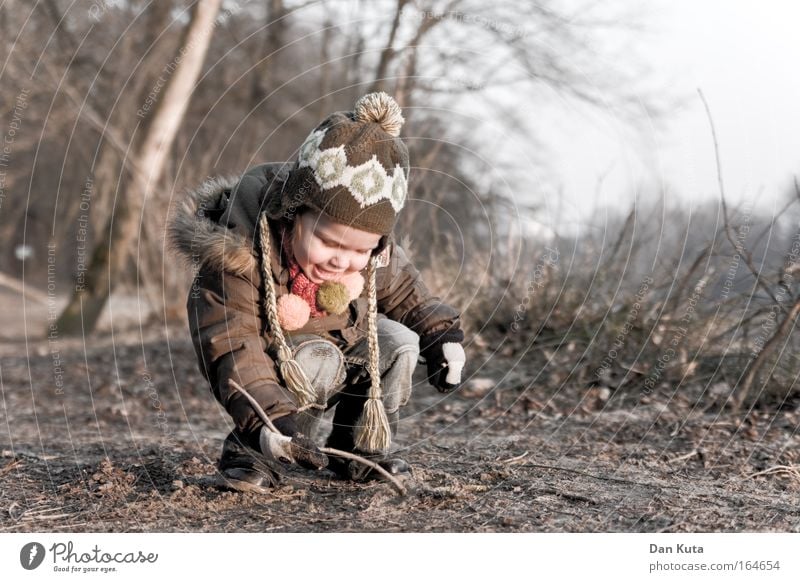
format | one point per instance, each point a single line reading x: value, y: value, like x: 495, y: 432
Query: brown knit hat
x: 353, y: 167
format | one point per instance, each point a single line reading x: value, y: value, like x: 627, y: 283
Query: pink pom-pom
x: 293, y: 312
x: 355, y: 285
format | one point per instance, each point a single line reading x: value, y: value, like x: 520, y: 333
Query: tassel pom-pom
x: 333, y: 297
x: 355, y: 285
x: 293, y: 312
x: 372, y: 432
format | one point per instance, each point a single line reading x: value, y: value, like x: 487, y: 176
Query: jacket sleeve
x: 403, y: 297
x: 225, y: 320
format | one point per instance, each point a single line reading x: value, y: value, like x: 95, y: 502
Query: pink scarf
x: 299, y: 284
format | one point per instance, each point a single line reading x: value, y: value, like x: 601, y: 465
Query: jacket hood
x: 200, y: 239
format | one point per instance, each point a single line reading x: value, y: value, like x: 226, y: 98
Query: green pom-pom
x: 333, y: 297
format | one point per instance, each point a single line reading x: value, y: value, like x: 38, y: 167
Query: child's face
x: 328, y: 250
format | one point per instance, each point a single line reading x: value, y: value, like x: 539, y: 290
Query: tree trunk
x: 273, y: 40
x: 111, y: 254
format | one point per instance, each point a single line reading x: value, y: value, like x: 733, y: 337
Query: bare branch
x: 738, y: 247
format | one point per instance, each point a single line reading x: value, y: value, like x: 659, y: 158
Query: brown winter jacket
x: 214, y: 228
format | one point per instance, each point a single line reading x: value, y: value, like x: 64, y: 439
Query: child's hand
x: 292, y: 446
x: 445, y: 359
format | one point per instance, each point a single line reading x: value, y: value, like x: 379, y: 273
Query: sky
x: 745, y: 57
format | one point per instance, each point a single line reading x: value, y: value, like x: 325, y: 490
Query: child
x: 303, y: 298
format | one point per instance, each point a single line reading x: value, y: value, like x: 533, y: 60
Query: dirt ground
x: 122, y: 435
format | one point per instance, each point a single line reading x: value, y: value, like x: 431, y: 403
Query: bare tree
x: 110, y: 255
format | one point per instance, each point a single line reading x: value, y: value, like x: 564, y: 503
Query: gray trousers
x: 331, y: 370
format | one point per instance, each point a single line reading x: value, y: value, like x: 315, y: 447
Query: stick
x: 792, y: 470
x: 688, y: 455
x: 513, y: 460
x: 336, y: 452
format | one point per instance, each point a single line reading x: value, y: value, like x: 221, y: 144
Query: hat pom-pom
x: 293, y: 312
x: 382, y: 109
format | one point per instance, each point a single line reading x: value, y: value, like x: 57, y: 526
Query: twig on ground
x: 514, y: 460
x: 567, y: 495
x: 787, y: 469
x: 9, y: 466
x: 688, y: 455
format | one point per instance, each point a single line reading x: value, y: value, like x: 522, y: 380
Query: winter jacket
x: 215, y: 228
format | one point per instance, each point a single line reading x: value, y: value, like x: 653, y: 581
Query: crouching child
x: 303, y: 298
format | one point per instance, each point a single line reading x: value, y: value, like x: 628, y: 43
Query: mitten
x: 291, y: 446
x: 445, y: 358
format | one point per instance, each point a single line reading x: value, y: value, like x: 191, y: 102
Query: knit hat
x: 354, y: 169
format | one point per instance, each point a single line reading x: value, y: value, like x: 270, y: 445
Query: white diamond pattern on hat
x: 399, y: 189
x: 330, y: 167
x: 310, y: 146
x: 368, y: 183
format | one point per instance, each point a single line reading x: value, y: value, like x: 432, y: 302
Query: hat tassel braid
x: 372, y: 432
x: 296, y: 380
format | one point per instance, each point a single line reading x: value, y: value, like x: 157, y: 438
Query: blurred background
x: 607, y: 189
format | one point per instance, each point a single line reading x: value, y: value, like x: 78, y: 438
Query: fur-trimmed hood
x: 214, y: 225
